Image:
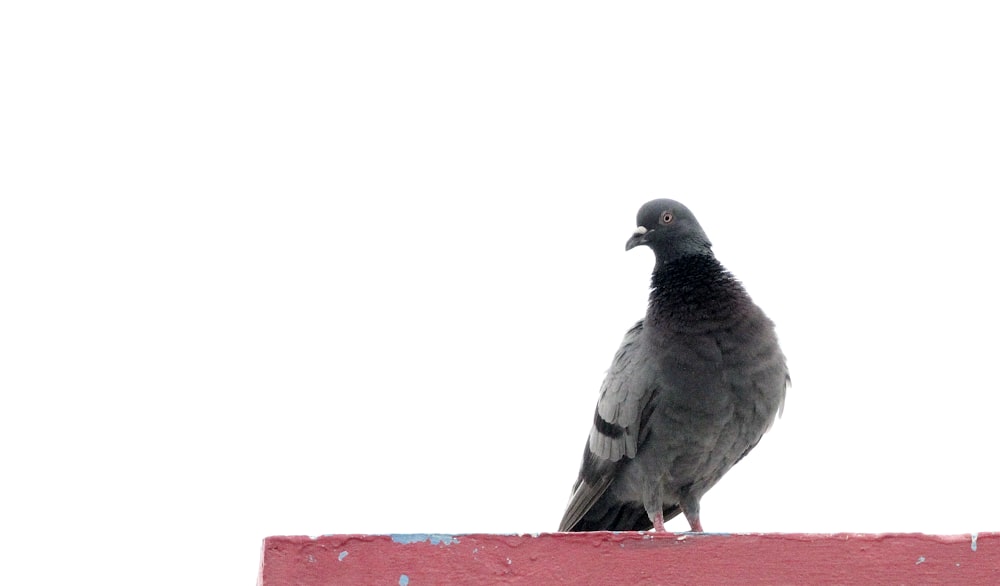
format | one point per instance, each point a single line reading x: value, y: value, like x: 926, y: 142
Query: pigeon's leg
x: 692, y: 509
x: 652, y: 501
x: 658, y: 521
x: 695, y: 523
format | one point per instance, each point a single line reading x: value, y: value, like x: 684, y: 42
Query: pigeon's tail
x: 619, y: 516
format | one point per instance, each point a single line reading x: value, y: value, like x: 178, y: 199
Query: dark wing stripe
x: 607, y: 428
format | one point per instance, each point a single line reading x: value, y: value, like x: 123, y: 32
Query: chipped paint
x: 434, y: 538
x: 404, y: 580
x: 577, y: 557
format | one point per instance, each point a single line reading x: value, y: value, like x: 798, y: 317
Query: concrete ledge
x: 631, y: 558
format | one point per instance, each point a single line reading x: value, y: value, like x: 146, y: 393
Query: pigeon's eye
x: 666, y: 218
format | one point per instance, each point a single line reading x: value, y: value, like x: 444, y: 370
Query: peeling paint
x: 572, y: 557
x: 404, y: 580
x: 434, y: 538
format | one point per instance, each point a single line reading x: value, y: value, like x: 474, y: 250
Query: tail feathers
x: 617, y: 516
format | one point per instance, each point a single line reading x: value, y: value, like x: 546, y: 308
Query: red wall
x: 631, y: 558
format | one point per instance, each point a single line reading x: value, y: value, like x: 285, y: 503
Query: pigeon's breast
x: 717, y: 392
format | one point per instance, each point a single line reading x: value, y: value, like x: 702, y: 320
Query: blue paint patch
x: 920, y: 560
x: 342, y: 555
x: 975, y: 536
x: 434, y: 538
x: 404, y: 580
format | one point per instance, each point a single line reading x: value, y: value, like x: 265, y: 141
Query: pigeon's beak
x: 638, y: 238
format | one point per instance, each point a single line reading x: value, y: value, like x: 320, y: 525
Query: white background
x: 307, y: 268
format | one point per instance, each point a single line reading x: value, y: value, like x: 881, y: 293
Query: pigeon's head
x: 670, y: 229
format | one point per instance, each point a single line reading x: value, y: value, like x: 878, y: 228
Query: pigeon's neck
x: 695, y: 289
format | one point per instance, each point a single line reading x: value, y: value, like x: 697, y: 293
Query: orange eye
x: 666, y: 218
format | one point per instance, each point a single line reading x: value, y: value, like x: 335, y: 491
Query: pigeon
x: 691, y: 390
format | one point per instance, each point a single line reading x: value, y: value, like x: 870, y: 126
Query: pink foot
x: 658, y: 522
x: 696, y: 525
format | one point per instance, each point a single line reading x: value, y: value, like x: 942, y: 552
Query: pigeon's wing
x: 623, y: 397
x: 614, y: 436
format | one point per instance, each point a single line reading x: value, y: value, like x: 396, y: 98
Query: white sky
x: 291, y: 268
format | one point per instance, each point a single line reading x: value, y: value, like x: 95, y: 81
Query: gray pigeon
x: 692, y: 389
